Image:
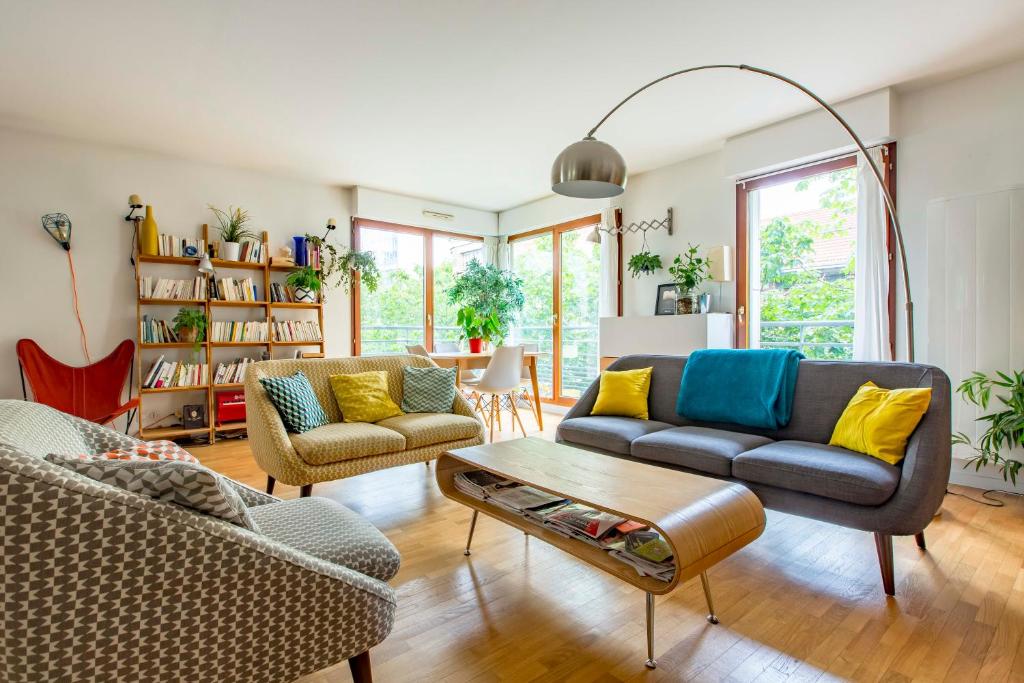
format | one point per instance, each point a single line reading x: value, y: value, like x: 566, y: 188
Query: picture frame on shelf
x: 665, y: 304
x: 193, y: 416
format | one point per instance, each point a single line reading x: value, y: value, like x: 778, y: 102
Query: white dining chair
x: 526, y: 379
x: 446, y: 347
x: 500, y: 382
x: 417, y: 350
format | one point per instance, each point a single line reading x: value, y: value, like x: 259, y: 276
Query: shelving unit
x: 206, y: 347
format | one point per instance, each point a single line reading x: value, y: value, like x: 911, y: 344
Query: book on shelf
x: 167, y: 288
x: 231, y: 289
x: 250, y: 251
x: 164, y: 374
x: 238, y: 331
x: 172, y: 245
x: 297, y: 331
x: 156, y: 331
x: 233, y: 372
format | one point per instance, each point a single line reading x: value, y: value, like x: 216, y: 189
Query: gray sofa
x: 792, y: 469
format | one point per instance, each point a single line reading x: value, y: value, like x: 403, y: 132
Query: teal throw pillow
x: 428, y: 390
x: 295, y: 401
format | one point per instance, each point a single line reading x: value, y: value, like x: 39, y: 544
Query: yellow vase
x: 148, y: 235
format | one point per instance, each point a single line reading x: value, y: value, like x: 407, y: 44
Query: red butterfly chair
x: 92, y: 392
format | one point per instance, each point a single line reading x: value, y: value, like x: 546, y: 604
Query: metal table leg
x: 707, y: 596
x: 650, y: 663
x: 472, y: 526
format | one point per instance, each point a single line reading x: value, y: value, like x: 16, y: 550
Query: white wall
x: 91, y: 183
x: 396, y: 208
x: 550, y: 211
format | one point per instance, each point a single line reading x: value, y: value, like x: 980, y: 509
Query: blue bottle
x: 301, y: 257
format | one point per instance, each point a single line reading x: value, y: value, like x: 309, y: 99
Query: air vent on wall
x: 437, y: 215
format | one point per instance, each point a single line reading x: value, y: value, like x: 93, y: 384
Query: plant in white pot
x: 1004, y: 428
x: 688, y: 271
x: 233, y: 231
x: 305, y: 283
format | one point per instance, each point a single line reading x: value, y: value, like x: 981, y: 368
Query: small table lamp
x: 722, y: 265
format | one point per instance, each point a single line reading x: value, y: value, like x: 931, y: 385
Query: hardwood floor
x: 802, y: 603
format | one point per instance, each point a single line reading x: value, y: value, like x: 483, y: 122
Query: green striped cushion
x: 428, y: 390
x: 295, y: 401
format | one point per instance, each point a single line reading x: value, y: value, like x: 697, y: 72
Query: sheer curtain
x: 608, y: 287
x: 871, y: 270
x: 496, y: 251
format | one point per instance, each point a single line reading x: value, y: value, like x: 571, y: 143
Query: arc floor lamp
x: 592, y: 169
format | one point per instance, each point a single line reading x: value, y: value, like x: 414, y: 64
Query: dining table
x: 465, y: 360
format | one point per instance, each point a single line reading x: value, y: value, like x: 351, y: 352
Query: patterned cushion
x: 295, y: 401
x: 428, y: 390
x: 182, y: 483
x: 427, y: 429
x: 331, y: 532
x: 38, y: 429
x: 364, y: 396
x: 148, y: 450
x: 344, y: 441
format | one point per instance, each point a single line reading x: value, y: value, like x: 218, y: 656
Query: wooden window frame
x: 556, y: 231
x: 744, y: 187
x: 428, y: 235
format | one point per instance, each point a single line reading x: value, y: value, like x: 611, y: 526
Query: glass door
x: 532, y: 259
x: 579, y: 282
x: 450, y: 254
x: 394, y: 316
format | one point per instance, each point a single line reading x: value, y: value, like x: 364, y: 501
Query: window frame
x: 788, y: 175
x: 427, y: 234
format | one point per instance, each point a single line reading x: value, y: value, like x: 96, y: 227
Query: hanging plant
x: 643, y: 263
x: 339, y: 270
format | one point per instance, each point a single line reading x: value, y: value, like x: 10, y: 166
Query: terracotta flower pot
x: 187, y: 334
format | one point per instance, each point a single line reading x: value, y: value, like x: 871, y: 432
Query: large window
x: 410, y: 305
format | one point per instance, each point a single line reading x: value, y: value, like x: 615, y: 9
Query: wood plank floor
x: 802, y: 603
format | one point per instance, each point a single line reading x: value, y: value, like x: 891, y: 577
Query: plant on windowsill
x: 1005, y: 430
x: 491, y: 291
x: 339, y: 270
x: 190, y: 326
x: 643, y: 263
x: 477, y: 327
x: 234, y: 228
x: 688, y: 271
x: 305, y: 283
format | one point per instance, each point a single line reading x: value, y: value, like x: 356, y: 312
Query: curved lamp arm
x: 890, y: 205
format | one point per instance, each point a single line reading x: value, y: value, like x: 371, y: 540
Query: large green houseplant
x: 477, y: 327
x: 1004, y: 429
x: 491, y: 292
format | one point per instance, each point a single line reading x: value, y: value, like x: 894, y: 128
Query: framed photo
x: 666, y: 303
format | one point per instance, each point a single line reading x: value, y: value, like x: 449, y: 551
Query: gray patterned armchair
x: 100, y: 584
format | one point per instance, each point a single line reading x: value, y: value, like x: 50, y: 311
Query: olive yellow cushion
x: 623, y: 393
x: 364, y: 397
x: 879, y: 421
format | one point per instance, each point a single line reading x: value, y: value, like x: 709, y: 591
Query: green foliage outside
x: 793, y: 291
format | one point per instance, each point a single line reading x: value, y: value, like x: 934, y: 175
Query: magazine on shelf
x: 520, y: 499
x: 587, y: 520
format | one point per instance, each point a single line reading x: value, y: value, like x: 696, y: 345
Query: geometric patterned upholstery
x: 428, y: 390
x: 100, y: 584
x: 295, y: 401
x: 344, y: 441
x: 427, y: 429
x: 332, y: 532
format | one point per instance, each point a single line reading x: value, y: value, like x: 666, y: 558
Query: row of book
x: 165, y: 374
x: 166, y: 288
x: 156, y: 331
x: 230, y: 289
x: 238, y: 331
x: 297, y: 330
x: 249, y: 251
x: 312, y: 256
x: 281, y: 293
x: 233, y: 372
x: 172, y: 245
x: 626, y: 540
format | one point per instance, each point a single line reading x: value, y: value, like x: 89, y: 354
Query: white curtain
x: 496, y: 251
x: 608, y: 289
x: 871, y: 273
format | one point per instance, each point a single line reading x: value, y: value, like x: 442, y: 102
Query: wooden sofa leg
x: 270, y: 485
x: 360, y: 666
x: 305, y: 491
x: 883, y: 544
x: 919, y: 537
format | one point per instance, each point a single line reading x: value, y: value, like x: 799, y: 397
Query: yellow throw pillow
x: 364, y: 397
x: 623, y: 393
x: 879, y: 421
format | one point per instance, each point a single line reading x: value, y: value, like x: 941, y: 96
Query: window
x: 410, y: 307
x: 797, y: 246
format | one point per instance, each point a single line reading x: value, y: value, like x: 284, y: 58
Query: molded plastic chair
x: 417, y: 350
x: 92, y: 392
x: 501, y: 380
x: 446, y: 347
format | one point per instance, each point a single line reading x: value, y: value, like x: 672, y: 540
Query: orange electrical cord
x: 78, y: 314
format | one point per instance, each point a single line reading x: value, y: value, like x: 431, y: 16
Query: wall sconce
x: 134, y: 203
x: 331, y: 225
x: 58, y: 226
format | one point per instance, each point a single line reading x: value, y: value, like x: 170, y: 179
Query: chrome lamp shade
x: 589, y: 169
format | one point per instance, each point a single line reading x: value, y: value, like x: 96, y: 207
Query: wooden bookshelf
x: 206, y: 348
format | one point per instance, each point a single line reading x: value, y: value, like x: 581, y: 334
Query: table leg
x: 472, y: 527
x: 712, y: 618
x: 650, y: 663
x: 536, y: 392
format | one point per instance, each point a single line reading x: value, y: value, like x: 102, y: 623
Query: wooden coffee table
x: 704, y: 520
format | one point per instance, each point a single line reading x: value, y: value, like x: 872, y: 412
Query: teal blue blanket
x: 747, y: 387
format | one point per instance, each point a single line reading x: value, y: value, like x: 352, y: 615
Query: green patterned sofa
x: 100, y: 584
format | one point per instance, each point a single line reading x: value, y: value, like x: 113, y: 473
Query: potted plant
x: 233, y: 229
x: 688, y: 271
x: 190, y: 326
x: 305, y: 283
x: 643, y: 263
x: 1005, y: 428
x: 340, y: 270
x: 477, y: 327
x: 491, y: 291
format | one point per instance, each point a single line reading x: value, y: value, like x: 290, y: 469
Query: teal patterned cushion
x: 295, y: 401
x: 428, y: 390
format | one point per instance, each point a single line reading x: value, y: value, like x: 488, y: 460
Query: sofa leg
x: 305, y: 491
x: 883, y: 544
x: 270, y: 485
x: 919, y: 537
x: 360, y: 666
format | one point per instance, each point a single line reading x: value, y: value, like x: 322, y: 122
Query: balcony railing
x: 812, y: 348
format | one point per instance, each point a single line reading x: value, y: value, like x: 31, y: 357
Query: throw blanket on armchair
x: 746, y: 387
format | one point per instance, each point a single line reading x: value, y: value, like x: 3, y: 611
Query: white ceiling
x: 465, y: 102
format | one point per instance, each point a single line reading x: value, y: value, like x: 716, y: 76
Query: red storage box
x: 230, y: 407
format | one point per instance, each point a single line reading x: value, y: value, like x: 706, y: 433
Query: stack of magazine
x: 628, y: 541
